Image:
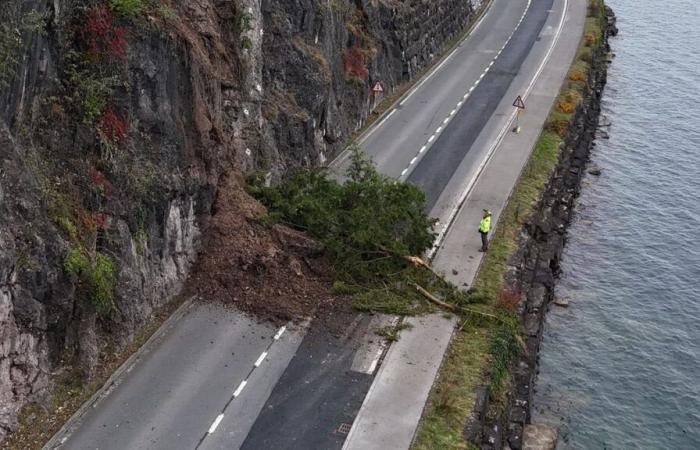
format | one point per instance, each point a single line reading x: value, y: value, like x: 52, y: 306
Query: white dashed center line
x: 216, y: 423
x: 261, y: 358
x: 242, y: 385
x: 239, y: 389
x: 466, y: 94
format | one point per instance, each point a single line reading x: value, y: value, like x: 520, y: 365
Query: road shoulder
x: 458, y: 255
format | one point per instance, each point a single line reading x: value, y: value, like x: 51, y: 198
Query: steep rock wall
x: 116, y: 127
x: 321, y: 57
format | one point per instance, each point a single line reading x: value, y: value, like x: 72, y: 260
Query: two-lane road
x: 216, y: 379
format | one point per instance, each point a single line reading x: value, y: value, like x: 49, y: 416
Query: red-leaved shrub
x: 508, y: 299
x: 354, y: 62
x: 102, y: 37
x: 112, y: 125
x: 99, y: 183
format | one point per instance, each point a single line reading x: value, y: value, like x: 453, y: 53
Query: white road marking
x: 375, y: 360
x: 238, y: 390
x: 431, y: 138
x: 413, y: 161
x: 216, y: 423
x: 439, y: 129
x: 375, y: 128
x: 471, y: 89
x: 403, y: 172
x: 422, y: 149
x: 452, y: 113
x: 261, y: 358
x: 447, y: 119
x: 280, y: 333
x: 499, y: 138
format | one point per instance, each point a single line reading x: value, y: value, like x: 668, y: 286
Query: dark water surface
x: 620, y: 369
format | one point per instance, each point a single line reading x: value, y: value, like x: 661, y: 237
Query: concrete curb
x: 114, y: 380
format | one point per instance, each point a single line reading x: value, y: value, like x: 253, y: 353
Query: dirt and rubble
x: 271, y: 271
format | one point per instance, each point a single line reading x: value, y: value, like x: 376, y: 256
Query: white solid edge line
x: 239, y: 389
x: 261, y: 358
x: 216, y: 423
x: 499, y: 138
x: 280, y: 333
x: 375, y: 128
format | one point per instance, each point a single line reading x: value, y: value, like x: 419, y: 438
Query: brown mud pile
x: 271, y: 271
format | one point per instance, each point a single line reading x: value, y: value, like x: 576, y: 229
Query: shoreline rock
x: 537, y: 262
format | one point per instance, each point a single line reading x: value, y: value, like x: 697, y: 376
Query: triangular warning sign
x: 378, y: 88
x: 519, y: 103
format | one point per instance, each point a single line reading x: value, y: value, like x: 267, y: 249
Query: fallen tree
x: 370, y: 225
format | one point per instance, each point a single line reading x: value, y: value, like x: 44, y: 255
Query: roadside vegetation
x: 482, y: 352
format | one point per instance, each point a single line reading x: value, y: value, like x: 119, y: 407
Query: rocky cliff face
x: 117, y: 121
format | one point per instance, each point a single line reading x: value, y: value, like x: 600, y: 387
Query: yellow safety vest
x: 485, y: 225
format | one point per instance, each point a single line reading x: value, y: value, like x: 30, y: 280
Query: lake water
x: 620, y: 368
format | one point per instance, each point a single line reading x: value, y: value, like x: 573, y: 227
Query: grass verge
x: 481, y: 353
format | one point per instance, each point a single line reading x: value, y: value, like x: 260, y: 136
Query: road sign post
x: 520, y: 106
x: 377, y: 93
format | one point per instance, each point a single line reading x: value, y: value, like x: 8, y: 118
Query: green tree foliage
x: 361, y: 222
x: 367, y: 223
x: 127, y: 8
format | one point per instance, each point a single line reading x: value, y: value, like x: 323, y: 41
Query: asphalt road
x: 435, y: 170
x: 217, y: 379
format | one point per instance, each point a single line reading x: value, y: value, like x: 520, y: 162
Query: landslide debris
x: 271, y: 271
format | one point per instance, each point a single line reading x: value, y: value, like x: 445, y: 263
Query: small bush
x: 93, y: 105
x: 354, y: 62
x: 127, y: 8
x: 68, y: 227
x: 98, y: 275
x: 568, y: 101
x: 589, y: 39
x: 508, y: 299
x: 557, y: 126
x: 579, y: 72
x: 99, y: 183
x: 112, y: 126
x: 102, y: 37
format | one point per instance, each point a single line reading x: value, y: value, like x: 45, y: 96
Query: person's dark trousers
x: 484, y: 241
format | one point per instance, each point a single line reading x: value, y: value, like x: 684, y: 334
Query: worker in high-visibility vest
x: 484, y: 228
